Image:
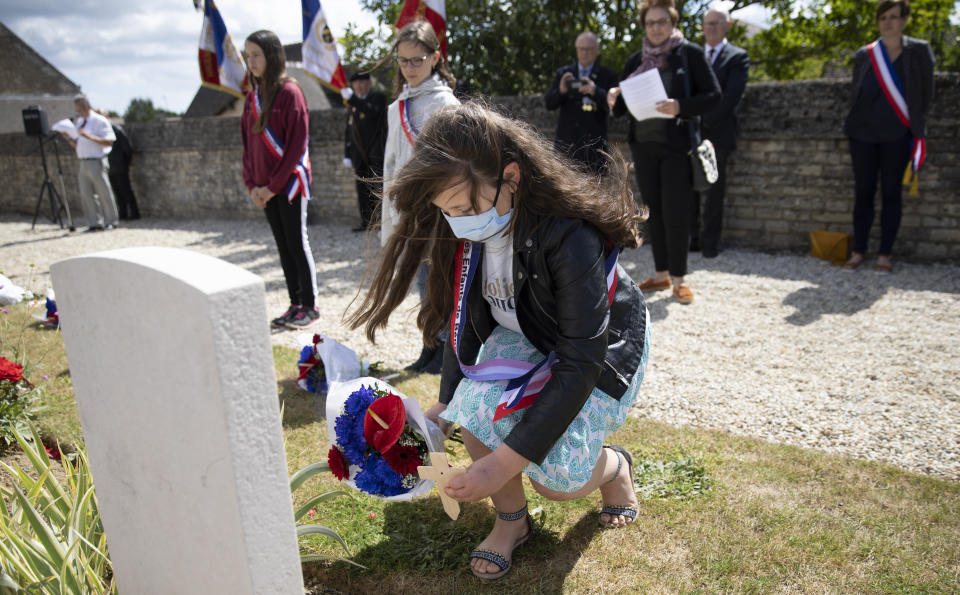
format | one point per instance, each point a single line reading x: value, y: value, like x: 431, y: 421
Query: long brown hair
x: 273, y: 76
x: 471, y: 144
x: 422, y: 34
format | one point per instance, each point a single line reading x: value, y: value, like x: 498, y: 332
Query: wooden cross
x: 441, y: 472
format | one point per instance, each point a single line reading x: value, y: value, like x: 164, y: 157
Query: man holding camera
x: 580, y: 92
x: 94, y: 141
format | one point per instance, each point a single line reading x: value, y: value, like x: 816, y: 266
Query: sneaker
x: 282, y: 320
x: 303, y: 318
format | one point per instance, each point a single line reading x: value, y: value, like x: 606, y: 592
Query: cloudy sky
x: 120, y: 49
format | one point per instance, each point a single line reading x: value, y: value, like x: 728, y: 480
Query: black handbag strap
x: 692, y: 122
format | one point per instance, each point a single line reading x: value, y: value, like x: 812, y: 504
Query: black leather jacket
x: 562, y: 306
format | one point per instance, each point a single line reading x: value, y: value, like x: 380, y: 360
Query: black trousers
x: 123, y: 192
x: 368, y: 192
x: 288, y: 222
x: 889, y: 160
x: 664, y: 178
x: 709, y: 235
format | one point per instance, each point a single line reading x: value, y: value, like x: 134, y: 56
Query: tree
x: 513, y: 47
x: 806, y: 37
x: 140, y: 110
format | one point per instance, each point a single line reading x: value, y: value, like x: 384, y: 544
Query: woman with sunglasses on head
x: 661, y: 146
x: 548, y: 337
x: 276, y: 169
x: 423, y: 86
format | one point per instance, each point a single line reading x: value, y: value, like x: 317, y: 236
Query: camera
x: 574, y: 86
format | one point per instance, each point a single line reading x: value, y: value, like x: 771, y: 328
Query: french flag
x: 221, y: 66
x: 432, y: 11
x: 320, y: 57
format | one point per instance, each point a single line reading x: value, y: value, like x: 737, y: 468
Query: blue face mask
x: 482, y: 227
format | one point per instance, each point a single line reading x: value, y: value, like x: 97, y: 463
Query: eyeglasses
x: 658, y: 23
x: 414, y: 62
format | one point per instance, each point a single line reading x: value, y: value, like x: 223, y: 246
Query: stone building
x: 28, y: 79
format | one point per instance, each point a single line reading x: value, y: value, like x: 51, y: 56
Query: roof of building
x: 211, y: 102
x: 26, y: 72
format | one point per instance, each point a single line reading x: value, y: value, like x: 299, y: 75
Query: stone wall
x: 791, y: 173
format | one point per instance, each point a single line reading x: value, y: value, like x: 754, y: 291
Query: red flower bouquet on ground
x: 379, y: 439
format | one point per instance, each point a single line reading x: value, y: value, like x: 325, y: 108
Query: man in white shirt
x: 94, y: 141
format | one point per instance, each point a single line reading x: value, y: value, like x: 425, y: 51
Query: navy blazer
x: 918, y: 88
x: 366, y: 135
x: 575, y: 127
x: 720, y: 124
x: 704, y: 91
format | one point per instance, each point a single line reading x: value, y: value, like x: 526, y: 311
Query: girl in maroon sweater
x: 276, y: 169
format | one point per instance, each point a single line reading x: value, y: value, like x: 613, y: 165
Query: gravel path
x: 782, y: 347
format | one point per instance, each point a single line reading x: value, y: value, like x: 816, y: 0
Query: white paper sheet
x: 66, y: 125
x: 641, y: 94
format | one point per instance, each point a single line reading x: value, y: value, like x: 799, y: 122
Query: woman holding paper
x: 661, y: 145
x: 890, y: 96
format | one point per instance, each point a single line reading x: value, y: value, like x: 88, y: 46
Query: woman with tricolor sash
x: 891, y: 94
x: 423, y: 86
x: 548, y: 335
x: 276, y: 169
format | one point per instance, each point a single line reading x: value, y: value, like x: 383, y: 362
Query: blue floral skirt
x: 570, y: 463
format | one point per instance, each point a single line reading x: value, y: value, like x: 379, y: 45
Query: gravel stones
x: 777, y: 346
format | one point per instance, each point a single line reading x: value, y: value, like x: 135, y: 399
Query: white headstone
x: 171, y: 363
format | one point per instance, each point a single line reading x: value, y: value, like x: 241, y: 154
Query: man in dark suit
x: 366, y: 139
x: 120, y: 158
x: 731, y: 65
x: 580, y: 92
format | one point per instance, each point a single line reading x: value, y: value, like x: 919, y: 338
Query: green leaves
x: 51, y: 538
x: 308, y: 528
x: 673, y: 479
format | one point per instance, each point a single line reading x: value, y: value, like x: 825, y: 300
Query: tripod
x: 57, y: 204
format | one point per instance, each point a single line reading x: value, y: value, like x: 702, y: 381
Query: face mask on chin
x: 483, y: 226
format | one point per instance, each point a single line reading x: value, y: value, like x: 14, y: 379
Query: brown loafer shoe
x: 683, y: 294
x: 883, y: 269
x: 649, y: 284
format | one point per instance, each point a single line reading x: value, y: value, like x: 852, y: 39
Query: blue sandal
x: 496, y: 557
x: 629, y: 512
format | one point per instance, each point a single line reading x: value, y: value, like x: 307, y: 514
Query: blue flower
x: 378, y: 478
x: 358, y: 401
x: 305, y: 353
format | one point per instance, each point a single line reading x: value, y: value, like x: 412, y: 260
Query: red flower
x: 383, y: 422
x: 338, y: 464
x: 10, y: 370
x: 403, y: 459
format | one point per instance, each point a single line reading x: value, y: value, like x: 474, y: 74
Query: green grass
x: 719, y: 513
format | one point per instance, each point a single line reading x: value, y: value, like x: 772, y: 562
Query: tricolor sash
x: 893, y: 90
x: 300, y: 180
x: 525, y: 379
x: 405, y: 122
